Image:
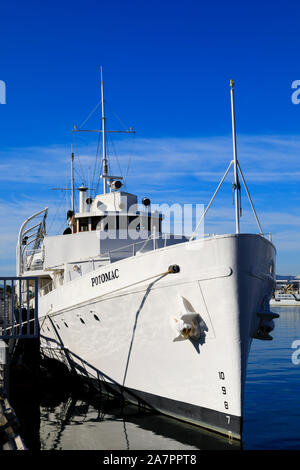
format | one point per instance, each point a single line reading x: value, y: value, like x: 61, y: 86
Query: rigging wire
x: 59, y: 208
x: 97, y: 160
x: 115, y: 154
x: 78, y: 157
x: 126, y: 127
x: 130, y: 158
x: 117, y: 117
x: 80, y: 127
x: 97, y: 188
x: 90, y: 115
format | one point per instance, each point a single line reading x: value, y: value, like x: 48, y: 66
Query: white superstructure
x: 166, y: 321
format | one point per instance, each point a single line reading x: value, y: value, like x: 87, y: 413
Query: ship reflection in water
x: 74, y: 424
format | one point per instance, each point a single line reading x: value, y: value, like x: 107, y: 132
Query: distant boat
x: 166, y: 321
x: 287, y: 293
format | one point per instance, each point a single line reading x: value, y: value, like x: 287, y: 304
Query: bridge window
x: 83, y: 225
x: 95, y: 221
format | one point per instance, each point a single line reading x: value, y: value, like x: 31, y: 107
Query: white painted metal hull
x: 226, y: 280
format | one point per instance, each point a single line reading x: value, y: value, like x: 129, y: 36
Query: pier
x: 18, y: 324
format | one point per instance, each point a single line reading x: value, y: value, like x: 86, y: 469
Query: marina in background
x: 286, y: 292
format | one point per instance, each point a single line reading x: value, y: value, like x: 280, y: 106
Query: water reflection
x: 76, y: 424
x: 271, y: 410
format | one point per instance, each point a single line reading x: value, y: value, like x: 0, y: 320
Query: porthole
x: 66, y: 324
x: 96, y: 318
x: 82, y: 321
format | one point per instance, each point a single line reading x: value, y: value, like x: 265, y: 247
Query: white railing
x: 153, y: 242
x: 46, y: 289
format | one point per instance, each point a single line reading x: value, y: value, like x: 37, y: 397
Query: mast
x: 236, y: 185
x: 104, y: 159
x: 72, y: 181
x: 108, y: 180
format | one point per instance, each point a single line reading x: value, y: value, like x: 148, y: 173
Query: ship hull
x: 117, y: 326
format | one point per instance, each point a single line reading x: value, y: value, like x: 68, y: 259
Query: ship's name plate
x: 105, y: 277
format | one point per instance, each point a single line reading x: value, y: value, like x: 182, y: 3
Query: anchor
x: 189, y: 325
x: 266, y: 324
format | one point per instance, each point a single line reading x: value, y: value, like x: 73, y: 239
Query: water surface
x: 272, y: 401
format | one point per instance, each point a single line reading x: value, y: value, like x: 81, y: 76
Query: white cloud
x: 166, y: 169
x: 264, y: 158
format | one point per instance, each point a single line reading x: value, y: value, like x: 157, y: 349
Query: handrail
x: 156, y: 236
x: 39, y: 235
x: 47, y: 287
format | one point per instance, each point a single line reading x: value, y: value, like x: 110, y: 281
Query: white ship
x: 286, y: 294
x: 168, y: 322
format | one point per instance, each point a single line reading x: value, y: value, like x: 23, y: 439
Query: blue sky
x: 166, y: 69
